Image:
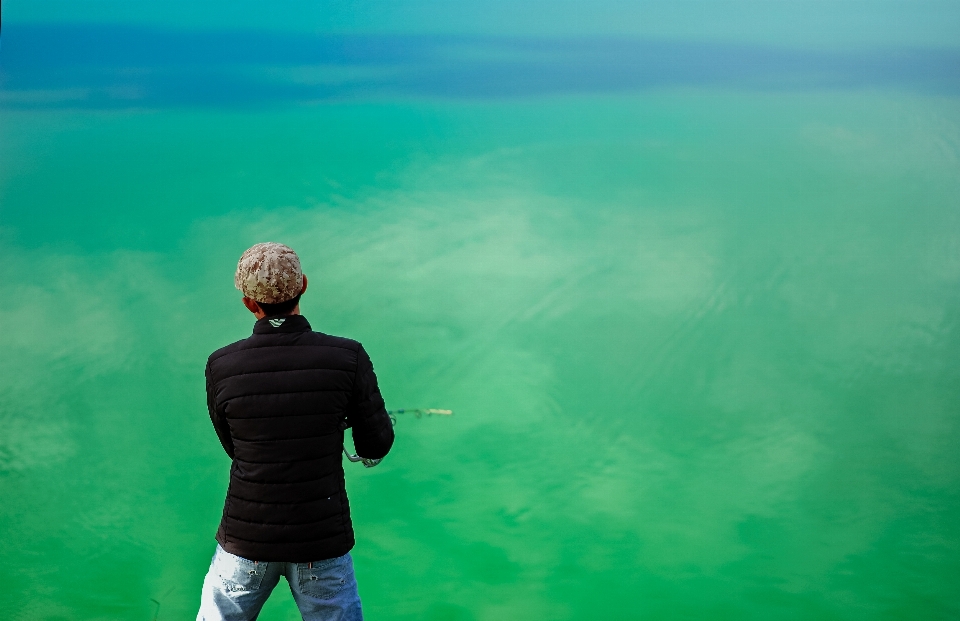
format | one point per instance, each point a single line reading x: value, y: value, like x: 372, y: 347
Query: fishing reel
x: 418, y: 412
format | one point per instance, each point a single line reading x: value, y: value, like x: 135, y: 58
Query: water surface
x: 701, y: 338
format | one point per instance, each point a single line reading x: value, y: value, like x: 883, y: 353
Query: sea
x: 687, y: 275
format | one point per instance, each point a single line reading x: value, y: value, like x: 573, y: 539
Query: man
x: 280, y: 402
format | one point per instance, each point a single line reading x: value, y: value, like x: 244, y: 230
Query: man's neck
x: 262, y: 315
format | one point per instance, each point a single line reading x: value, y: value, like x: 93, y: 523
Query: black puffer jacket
x: 279, y: 401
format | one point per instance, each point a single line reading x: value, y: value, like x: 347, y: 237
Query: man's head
x: 271, y: 280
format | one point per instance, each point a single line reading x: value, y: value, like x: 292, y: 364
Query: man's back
x: 280, y: 401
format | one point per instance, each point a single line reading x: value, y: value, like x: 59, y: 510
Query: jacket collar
x: 288, y: 323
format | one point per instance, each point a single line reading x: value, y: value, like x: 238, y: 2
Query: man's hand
x: 370, y: 463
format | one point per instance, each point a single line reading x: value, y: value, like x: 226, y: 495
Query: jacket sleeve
x: 219, y: 424
x: 372, y: 427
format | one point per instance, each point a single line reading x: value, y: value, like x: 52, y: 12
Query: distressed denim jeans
x: 235, y: 588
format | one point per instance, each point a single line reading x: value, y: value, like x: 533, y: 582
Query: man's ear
x: 252, y: 305
x: 304, y: 290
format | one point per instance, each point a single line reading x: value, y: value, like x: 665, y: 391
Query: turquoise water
x: 701, y: 338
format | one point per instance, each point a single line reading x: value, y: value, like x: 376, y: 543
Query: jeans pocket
x: 237, y: 573
x: 324, y: 579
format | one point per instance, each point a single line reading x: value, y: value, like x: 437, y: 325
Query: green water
x: 702, y: 346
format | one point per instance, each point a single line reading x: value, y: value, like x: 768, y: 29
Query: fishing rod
x: 418, y: 412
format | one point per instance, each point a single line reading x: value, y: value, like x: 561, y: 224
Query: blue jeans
x: 235, y: 589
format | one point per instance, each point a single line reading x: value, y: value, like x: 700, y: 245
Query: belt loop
x: 310, y: 565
